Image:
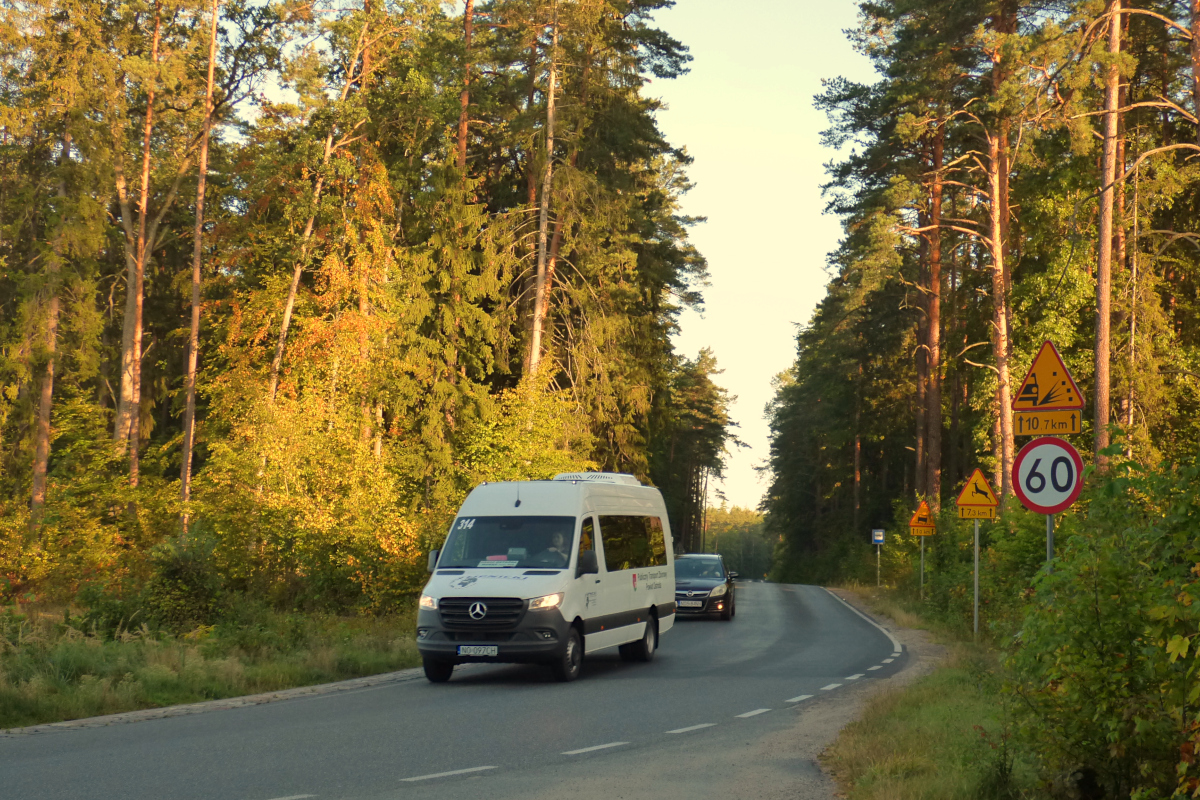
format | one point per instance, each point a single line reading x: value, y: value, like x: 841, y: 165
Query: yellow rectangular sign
x: 921, y: 531
x: 976, y: 512
x: 1047, y: 423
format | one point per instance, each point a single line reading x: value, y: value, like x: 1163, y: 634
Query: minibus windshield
x: 698, y: 568
x: 509, y: 542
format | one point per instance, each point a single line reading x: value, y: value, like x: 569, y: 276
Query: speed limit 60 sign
x: 1048, y: 475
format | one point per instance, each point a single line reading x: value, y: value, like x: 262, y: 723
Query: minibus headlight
x: 718, y: 591
x: 429, y: 602
x: 548, y: 601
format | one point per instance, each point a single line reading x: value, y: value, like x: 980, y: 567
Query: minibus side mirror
x: 433, y: 557
x: 588, y: 565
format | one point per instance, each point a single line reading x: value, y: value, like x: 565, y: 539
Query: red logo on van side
x: 635, y: 581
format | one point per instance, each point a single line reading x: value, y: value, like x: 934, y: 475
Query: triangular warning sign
x: 922, y: 519
x: 1048, y: 386
x: 978, y: 492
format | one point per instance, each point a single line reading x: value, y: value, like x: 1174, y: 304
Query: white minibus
x: 548, y: 571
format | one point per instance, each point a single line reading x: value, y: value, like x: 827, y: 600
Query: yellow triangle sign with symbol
x: 978, y: 492
x: 922, y: 519
x: 1048, y: 386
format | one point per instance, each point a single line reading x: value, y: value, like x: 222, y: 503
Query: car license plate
x: 691, y: 603
x: 478, y: 650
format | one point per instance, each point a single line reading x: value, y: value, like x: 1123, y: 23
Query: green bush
x: 1101, y: 661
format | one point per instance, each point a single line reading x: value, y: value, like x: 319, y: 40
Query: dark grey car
x: 703, y: 587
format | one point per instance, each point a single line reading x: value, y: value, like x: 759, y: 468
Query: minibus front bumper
x: 534, y: 636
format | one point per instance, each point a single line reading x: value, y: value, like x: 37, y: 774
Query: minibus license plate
x: 691, y: 603
x: 478, y: 650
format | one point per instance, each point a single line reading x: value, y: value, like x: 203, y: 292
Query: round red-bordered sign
x: 1048, y: 475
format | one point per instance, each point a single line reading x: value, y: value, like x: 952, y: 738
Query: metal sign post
x: 977, y: 501
x: 877, y: 540
x: 976, y: 579
x: 922, y: 567
x: 1049, y: 541
x: 922, y: 525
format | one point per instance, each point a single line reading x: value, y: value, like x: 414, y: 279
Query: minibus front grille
x: 502, y: 612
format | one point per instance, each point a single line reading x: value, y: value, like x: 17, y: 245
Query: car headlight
x: 718, y: 590
x: 429, y: 602
x: 547, y: 601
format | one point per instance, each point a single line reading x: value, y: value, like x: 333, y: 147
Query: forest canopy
x: 281, y: 282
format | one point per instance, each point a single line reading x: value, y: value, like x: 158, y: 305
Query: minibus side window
x: 658, y: 542
x: 632, y: 542
x: 587, y: 535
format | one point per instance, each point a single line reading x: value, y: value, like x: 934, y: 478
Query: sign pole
x: 922, y: 567
x: 977, y: 579
x: 1049, y: 541
x: 877, y: 549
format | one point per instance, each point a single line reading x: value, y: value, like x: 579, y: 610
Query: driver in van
x: 556, y: 553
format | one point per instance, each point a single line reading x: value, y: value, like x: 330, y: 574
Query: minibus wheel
x: 642, y: 650
x: 570, y: 664
x: 438, y: 671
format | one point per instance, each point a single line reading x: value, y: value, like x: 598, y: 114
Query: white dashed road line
x: 441, y: 775
x: 854, y: 677
x: 888, y: 660
x: 593, y: 747
x: 294, y: 797
x: 895, y: 655
x: 691, y: 728
x: 830, y: 687
x: 753, y: 713
x: 875, y: 667
x: 798, y: 699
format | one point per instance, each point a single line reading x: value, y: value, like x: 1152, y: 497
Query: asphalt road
x: 494, y: 730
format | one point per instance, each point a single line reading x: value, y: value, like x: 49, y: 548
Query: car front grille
x: 503, y: 613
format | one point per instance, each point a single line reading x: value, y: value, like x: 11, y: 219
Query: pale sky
x: 745, y: 113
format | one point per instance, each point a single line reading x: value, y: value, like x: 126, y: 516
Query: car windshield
x: 507, y: 542
x: 698, y: 568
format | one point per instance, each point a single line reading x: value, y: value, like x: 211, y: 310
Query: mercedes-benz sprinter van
x: 546, y: 571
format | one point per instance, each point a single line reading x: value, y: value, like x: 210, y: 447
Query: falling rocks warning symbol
x: 1048, y: 385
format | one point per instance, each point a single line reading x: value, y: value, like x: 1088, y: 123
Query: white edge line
x: 593, y: 747
x: 438, y: 775
x: 693, y: 728
x: 294, y: 797
x: 830, y: 687
x: 854, y: 677
x: 753, y: 713
x: 895, y: 644
x: 798, y: 699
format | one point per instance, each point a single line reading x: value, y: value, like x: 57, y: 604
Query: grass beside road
x: 51, y: 669
x: 947, y: 736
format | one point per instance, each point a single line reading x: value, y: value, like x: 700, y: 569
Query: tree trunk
x: 41, y: 449
x: 540, y: 302
x: 1105, y: 234
x: 189, y: 414
x: 135, y: 400
x: 465, y: 97
x: 1195, y: 50
x: 857, y: 448
x: 290, y: 303
x: 1000, y: 335
x: 933, y: 399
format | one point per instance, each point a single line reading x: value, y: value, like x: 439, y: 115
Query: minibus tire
x: 568, y: 666
x: 438, y: 671
x: 643, y: 649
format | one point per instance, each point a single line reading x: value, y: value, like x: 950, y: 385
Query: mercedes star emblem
x: 477, y: 611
